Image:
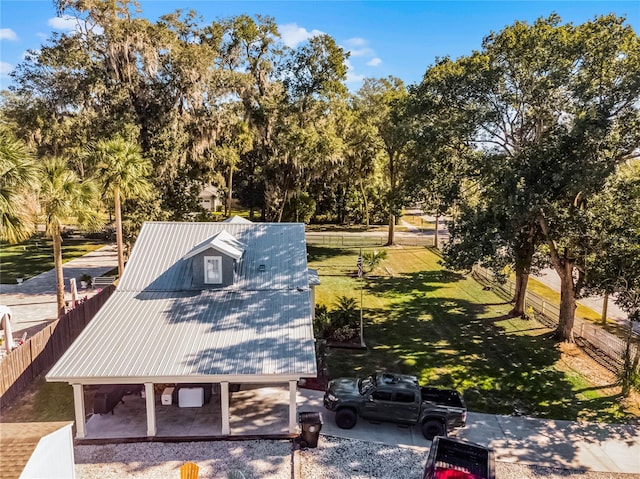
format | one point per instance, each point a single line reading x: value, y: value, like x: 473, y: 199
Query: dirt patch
x: 573, y: 358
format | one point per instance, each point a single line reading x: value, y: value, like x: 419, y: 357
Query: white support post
x: 78, y: 404
x: 150, y: 401
x: 293, y: 412
x: 224, y: 400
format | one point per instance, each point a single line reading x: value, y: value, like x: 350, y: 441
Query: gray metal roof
x: 156, y: 260
x: 151, y: 329
x: 223, y: 242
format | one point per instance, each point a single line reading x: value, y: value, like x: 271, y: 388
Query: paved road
x: 33, y: 303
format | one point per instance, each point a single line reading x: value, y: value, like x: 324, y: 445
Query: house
x: 209, y: 198
x: 32, y: 450
x: 201, y: 303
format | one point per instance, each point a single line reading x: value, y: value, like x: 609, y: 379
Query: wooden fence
x: 549, y: 313
x: 20, y: 367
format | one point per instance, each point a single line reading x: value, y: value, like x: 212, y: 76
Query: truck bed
x: 443, y: 397
x: 452, y: 458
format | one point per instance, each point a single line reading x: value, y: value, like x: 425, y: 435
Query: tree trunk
x: 366, y: 203
x: 605, y: 305
x: 520, y: 293
x: 392, y: 228
x: 567, y: 303
x: 116, y: 195
x: 435, y: 238
x: 230, y: 190
x: 564, y: 268
x: 57, y: 258
x: 524, y: 257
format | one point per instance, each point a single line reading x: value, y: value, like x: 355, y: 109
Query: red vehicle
x: 456, y: 459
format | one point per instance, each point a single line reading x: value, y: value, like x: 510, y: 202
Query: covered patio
x: 254, y: 410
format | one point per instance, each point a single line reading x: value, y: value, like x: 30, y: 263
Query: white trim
x: 293, y: 413
x: 217, y: 378
x: 78, y: 406
x: 215, y: 280
x: 224, y: 402
x: 150, y: 401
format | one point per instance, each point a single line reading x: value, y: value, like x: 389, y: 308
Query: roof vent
x: 262, y: 268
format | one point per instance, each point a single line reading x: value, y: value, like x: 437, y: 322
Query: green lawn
x: 449, y: 331
x: 439, y: 325
x: 35, y: 256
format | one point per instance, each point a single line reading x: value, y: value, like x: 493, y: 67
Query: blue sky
x: 400, y: 38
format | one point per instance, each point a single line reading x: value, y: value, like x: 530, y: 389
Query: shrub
x: 322, y: 322
x: 345, y: 312
x: 344, y: 334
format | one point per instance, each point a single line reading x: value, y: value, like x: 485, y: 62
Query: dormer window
x: 213, y: 269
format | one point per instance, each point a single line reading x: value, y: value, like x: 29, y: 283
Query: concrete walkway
x: 33, y: 303
x: 523, y: 440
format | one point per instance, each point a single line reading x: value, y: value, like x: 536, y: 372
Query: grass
x: 439, y: 325
x: 35, y: 256
x: 450, y: 332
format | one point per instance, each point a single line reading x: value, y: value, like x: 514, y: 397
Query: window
x: 213, y: 270
x: 405, y: 396
x: 381, y: 395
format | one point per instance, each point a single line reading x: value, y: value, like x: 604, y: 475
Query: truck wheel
x: 432, y: 428
x: 346, y: 418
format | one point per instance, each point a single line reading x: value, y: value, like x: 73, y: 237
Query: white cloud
x: 374, y: 62
x: 292, y: 34
x: 42, y: 35
x: 356, y: 42
x: 7, y: 34
x: 362, y: 52
x: 66, y: 22
x: 352, y: 76
x: 5, y: 69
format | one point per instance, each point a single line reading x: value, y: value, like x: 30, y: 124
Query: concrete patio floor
x: 255, y: 410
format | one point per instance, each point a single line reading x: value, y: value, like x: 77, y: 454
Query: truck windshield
x: 364, y: 385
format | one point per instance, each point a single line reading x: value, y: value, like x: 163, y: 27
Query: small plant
x: 344, y: 334
x: 345, y: 312
x: 373, y: 258
x: 322, y: 322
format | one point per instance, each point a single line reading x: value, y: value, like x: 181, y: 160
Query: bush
x: 344, y: 334
x: 322, y: 322
x: 345, y: 312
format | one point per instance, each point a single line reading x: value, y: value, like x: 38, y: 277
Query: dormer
x: 215, y: 261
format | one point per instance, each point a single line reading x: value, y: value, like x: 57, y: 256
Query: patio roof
x: 172, y: 337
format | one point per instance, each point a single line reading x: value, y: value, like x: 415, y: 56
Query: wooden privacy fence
x: 19, y: 368
x: 548, y: 314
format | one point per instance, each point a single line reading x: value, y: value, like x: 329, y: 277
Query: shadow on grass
x: 503, y: 365
x: 321, y: 253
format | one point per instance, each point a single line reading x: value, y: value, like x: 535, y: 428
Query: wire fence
x: 548, y: 314
x: 356, y: 239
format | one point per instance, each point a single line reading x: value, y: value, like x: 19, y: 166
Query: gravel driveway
x: 334, y: 458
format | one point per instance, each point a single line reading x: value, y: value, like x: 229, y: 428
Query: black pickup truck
x: 395, y: 398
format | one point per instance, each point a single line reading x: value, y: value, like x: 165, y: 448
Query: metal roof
x: 223, y: 242
x: 157, y: 264
x: 153, y: 329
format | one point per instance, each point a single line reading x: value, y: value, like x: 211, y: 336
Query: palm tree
x: 17, y: 181
x: 63, y: 195
x: 121, y: 169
